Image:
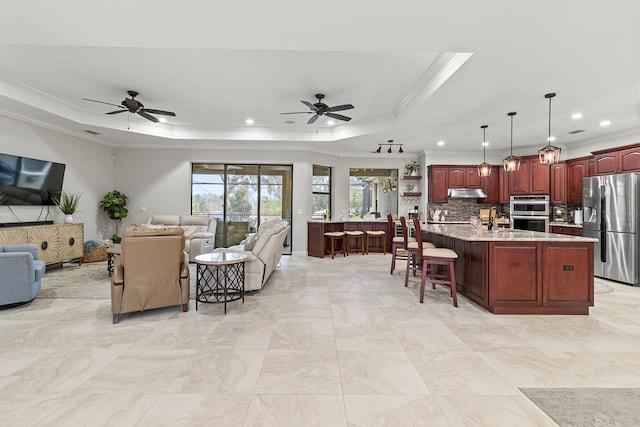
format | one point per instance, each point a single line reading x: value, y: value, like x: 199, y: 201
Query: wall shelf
x: 411, y: 194
x: 412, y: 177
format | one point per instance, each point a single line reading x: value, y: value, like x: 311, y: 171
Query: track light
x: 390, y: 144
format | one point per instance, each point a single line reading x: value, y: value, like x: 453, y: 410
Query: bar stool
x: 375, y: 234
x: 431, y: 259
x: 413, y: 252
x: 334, y: 236
x: 354, y: 235
x: 399, y: 244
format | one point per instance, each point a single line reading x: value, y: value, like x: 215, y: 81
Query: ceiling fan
x: 321, y: 109
x: 132, y: 105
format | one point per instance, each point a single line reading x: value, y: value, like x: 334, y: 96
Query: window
x: 373, y: 191
x: 241, y: 197
x: 321, y: 190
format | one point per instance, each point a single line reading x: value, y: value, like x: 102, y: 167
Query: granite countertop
x: 348, y: 220
x: 499, y: 222
x: 565, y: 224
x: 468, y: 233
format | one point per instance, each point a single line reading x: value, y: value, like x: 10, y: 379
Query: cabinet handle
x: 44, y: 245
x: 72, y: 241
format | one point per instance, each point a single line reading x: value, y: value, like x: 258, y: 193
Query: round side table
x: 220, y: 278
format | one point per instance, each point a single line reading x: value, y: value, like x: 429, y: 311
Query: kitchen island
x: 518, y: 271
x: 317, y: 246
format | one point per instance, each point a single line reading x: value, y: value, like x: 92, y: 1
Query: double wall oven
x: 530, y: 213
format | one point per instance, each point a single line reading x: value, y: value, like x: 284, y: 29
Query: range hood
x: 466, y: 193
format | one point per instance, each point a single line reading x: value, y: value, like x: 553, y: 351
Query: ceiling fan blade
x: 340, y: 108
x: 300, y: 112
x: 313, y: 119
x: 102, y: 102
x: 310, y: 105
x: 164, y: 113
x: 338, y: 116
x: 148, y: 116
x: 117, y: 111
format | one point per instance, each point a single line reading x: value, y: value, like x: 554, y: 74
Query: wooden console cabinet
x: 56, y: 242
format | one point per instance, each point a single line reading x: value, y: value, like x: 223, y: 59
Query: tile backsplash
x: 463, y: 209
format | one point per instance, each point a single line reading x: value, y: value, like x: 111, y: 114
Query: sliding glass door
x: 241, y: 197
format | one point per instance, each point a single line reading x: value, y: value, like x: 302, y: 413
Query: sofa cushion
x: 198, y: 220
x: 251, y: 242
x: 165, y: 219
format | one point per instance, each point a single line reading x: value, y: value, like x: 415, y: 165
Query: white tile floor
x: 326, y: 343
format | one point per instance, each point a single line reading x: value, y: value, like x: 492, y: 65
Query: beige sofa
x: 264, y: 250
x: 199, y: 231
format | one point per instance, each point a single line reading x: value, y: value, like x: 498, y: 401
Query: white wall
x: 89, y: 170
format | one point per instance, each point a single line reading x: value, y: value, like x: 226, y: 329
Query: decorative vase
x: 414, y: 173
x: 68, y: 219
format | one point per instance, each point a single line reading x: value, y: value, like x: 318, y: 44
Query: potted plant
x: 68, y: 205
x: 412, y: 168
x: 115, y: 205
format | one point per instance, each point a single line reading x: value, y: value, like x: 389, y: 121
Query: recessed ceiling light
x: 605, y: 123
x: 289, y: 122
x: 162, y: 120
x: 576, y: 116
x: 440, y: 143
x: 551, y: 138
x: 331, y: 122
x: 485, y: 144
x: 249, y: 121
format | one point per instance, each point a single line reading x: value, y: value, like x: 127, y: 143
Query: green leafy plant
x: 68, y: 202
x: 115, y: 205
x: 412, y: 166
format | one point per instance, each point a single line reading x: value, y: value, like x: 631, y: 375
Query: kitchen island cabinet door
x: 567, y: 267
x: 515, y: 277
x: 477, y: 278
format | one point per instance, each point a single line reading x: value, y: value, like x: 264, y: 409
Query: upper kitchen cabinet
x: 558, y: 183
x: 576, y: 170
x: 625, y: 159
x: 464, y: 177
x: 531, y: 178
x: 490, y: 185
x: 438, y: 177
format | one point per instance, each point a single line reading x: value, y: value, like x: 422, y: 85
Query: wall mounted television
x: 25, y: 181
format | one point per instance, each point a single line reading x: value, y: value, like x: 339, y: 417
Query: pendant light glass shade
x: 549, y: 154
x: 484, y: 169
x: 511, y: 163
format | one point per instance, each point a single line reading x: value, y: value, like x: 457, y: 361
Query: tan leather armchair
x: 151, y: 272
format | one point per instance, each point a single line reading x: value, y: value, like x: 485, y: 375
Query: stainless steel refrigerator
x: 611, y: 210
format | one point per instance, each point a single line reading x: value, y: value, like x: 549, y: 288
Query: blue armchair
x: 20, y: 274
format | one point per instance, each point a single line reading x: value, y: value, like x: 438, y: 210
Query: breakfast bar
x: 518, y: 271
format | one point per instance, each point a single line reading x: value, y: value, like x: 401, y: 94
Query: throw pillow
x: 251, y: 242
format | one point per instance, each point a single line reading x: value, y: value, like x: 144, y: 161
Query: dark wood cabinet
x: 576, y: 170
x: 464, y: 177
x: 558, y: 185
x: 438, y: 184
x: 571, y: 231
x: 539, y: 176
x: 318, y: 246
x: 626, y: 159
x: 491, y: 186
x: 519, y: 180
x: 504, y: 186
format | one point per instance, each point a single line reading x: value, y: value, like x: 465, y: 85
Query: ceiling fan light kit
x: 511, y: 163
x: 484, y: 168
x: 549, y: 154
x: 134, y: 106
x: 321, y: 109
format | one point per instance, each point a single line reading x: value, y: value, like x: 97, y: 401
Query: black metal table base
x: 219, y: 283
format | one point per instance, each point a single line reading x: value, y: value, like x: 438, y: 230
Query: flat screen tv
x: 25, y: 181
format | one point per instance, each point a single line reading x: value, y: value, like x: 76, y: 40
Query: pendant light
x: 511, y: 163
x: 549, y: 154
x: 484, y: 169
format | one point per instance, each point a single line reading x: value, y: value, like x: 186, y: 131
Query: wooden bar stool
x: 335, y: 236
x: 376, y: 234
x: 348, y: 235
x: 413, y: 252
x: 399, y: 244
